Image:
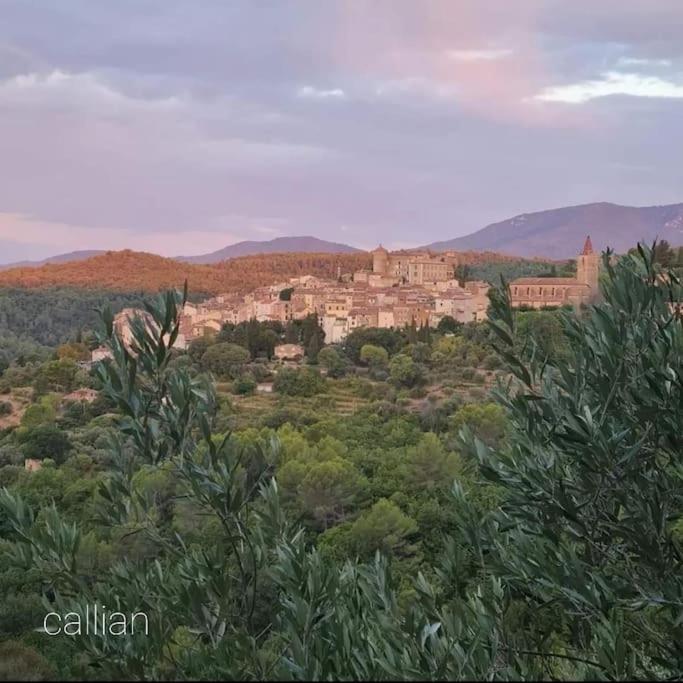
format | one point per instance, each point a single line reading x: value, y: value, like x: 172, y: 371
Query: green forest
x: 498, y: 500
x: 34, y: 321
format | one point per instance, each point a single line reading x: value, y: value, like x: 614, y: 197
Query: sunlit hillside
x: 137, y: 271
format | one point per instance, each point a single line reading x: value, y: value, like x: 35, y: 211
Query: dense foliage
x: 126, y: 270
x: 510, y: 269
x: 129, y: 270
x: 32, y: 319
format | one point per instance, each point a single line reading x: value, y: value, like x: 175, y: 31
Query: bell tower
x: 588, y: 267
x: 380, y: 261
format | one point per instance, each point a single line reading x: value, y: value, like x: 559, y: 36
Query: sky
x: 181, y: 126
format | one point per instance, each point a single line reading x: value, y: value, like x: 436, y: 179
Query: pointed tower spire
x: 587, y: 246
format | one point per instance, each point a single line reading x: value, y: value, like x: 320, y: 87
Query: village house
x: 293, y: 352
x: 84, y: 394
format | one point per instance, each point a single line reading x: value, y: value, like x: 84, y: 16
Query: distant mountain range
x: 279, y: 245
x: 560, y: 233
x: 554, y: 234
x: 60, y: 258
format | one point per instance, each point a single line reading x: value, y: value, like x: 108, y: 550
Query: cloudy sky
x: 180, y: 126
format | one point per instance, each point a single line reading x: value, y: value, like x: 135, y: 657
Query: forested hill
x: 130, y: 271
x: 34, y: 321
x: 127, y: 271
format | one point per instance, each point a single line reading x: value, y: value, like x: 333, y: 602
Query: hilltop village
x: 401, y: 288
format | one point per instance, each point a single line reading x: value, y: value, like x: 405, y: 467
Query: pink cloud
x: 488, y: 59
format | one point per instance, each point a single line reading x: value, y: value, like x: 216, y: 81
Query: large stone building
x: 413, y: 268
x: 537, y: 292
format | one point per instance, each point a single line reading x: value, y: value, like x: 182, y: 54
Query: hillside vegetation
x: 137, y: 271
x: 131, y: 271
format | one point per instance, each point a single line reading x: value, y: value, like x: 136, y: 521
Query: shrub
x: 330, y: 359
x: 418, y: 392
x: 391, y: 340
x: 405, y: 372
x: 198, y: 347
x: 487, y: 421
x: 298, y: 382
x: 18, y: 662
x: 448, y: 324
x: 57, y: 375
x: 467, y: 373
x: 5, y: 408
x: 19, y: 612
x: 76, y: 414
x: 225, y: 359
x: 385, y: 528
x: 101, y: 405
x: 9, y: 475
x: 374, y: 356
x: 45, y: 441
x: 244, y: 385
x: 491, y: 362
x: 259, y: 371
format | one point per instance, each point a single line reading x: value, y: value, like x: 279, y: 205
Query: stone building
x: 537, y: 292
x: 414, y: 268
x: 289, y: 352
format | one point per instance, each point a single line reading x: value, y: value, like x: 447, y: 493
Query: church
x: 537, y: 292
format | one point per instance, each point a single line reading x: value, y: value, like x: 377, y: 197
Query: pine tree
x: 412, y: 331
x: 313, y: 348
